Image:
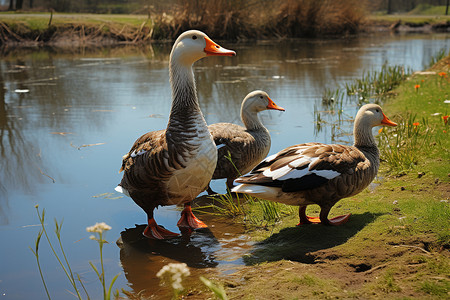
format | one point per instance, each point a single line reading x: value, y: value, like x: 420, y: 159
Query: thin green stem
x: 41, y: 219
x: 103, y: 269
x: 36, y: 254
x: 58, y: 234
x: 84, y: 288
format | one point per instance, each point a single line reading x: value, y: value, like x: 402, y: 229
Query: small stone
x: 420, y: 174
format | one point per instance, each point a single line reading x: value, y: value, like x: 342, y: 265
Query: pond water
x: 68, y: 116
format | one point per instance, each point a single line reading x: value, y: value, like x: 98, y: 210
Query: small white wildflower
x: 175, y: 273
x: 395, y: 202
x: 99, y: 227
x: 92, y: 237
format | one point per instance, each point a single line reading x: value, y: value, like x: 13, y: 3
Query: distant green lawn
x: 40, y: 20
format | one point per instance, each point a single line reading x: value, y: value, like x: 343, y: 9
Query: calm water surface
x: 66, y: 119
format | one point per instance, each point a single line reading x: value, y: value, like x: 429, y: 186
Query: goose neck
x: 250, y: 119
x: 184, y: 92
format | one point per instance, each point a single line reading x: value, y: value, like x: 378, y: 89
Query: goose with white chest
x: 172, y: 166
x: 322, y: 174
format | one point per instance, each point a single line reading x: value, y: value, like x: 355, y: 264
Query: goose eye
x: 194, y: 37
x: 261, y: 97
x: 377, y: 110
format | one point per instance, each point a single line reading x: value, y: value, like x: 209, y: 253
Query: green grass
x: 428, y: 10
x: 406, y: 18
x: 440, y: 288
x: 428, y: 142
x: 250, y: 211
x: 387, y: 283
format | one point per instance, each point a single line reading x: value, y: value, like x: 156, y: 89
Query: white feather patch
x: 275, y: 174
x: 253, y: 189
x: 134, y: 154
x: 220, y: 146
x: 122, y: 190
x: 302, y: 160
x: 270, y: 158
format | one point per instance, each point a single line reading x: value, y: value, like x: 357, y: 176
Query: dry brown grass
x: 236, y: 19
x: 221, y: 19
x: 299, y: 18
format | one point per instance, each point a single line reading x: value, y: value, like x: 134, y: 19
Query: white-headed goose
x: 247, y: 145
x: 172, y: 166
x: 315, y: 173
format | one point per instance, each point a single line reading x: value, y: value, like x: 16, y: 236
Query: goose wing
x: 305, y: 166
x: 234, y: 140
x: 149, y: 155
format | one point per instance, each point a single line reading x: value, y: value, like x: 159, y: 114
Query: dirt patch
x: 373, y: 273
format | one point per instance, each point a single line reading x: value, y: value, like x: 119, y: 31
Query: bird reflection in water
x: 142, y: 258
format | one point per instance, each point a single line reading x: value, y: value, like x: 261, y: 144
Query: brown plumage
x: 174, y: 165
x: 247, y: 145
x: 322, y: 174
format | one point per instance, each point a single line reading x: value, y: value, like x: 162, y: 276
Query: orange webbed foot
x: 304, y: 219
x: 154, y: 231
x: 189, y: 220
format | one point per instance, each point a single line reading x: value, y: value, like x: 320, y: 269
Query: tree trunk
x: 19, y: 4
x: 11, y: 5
x: 389, y: 7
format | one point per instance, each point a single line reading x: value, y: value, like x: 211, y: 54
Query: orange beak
x: 387, y: 122
x: 272, y: 105
x: 214, y: 49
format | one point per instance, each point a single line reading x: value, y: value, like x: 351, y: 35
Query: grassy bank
x: 397, y: 241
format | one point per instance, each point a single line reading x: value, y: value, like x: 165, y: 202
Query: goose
x: 322, y: 174
x: 247, y: 145
x: 173, y: 166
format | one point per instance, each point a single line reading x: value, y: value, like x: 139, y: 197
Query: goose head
x: 371, y: 115
x: 368, y: 116
x: 257, y: 101
x: 194, y: 45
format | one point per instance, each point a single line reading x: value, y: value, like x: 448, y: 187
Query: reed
x: 438, y: 56
x: 376, y: 85
x: 373, y: 86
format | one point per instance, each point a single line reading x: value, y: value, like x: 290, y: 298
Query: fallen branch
x: 414, y: 247
x: 375, y: 268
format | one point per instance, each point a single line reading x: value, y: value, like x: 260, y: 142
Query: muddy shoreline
x: 88, y: 35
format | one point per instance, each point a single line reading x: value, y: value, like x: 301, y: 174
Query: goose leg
x: 333, y: 221
x: 188, y: 219
x: 230, y: 183
x: 154, y: 231
x: 304, y: 219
